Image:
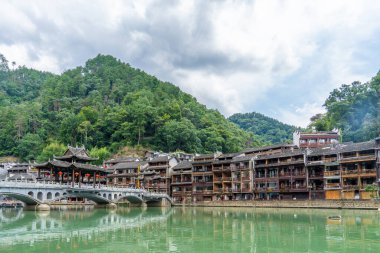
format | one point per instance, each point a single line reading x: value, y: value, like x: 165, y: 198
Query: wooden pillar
x: 72, y: 178
x: 80, y: 179
x: 94, y: 180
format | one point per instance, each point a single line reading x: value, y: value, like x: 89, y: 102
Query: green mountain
x: 355, y: 109
x: 269, y: 130
x: 106, y: 103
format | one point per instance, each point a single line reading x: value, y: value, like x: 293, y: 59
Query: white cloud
x: 280, y: 58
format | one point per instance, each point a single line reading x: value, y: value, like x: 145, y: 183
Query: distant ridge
x: 269, y: 130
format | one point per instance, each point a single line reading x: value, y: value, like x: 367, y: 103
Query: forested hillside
x: 269, y: 130
x: 105, y: 105
x: 355, y: 109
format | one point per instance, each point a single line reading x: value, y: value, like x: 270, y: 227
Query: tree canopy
x: 106, y: 104
x: 269, y: 130
x: 354, y: 109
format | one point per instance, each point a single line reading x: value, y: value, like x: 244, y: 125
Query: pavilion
x: 72, y: 167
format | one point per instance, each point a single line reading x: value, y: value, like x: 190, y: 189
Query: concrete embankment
x: 324, y: 204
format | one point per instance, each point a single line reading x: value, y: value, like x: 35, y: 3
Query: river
x: 189, y: 230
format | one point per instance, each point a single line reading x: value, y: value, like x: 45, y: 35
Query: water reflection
x: 189, y: 230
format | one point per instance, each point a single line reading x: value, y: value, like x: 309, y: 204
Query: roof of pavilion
x: 75, y: 152
x: 66, y: 165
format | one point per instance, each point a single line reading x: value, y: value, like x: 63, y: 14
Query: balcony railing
x: 350, y: 172
x: 332, y: 186
x: 332, y: 173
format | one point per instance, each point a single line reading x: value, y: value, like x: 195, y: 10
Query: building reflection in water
x: 189, y: 230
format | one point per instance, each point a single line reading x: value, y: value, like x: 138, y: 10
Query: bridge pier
x: 111, y: 206
x: 159, y: 203
x: 43, y: 207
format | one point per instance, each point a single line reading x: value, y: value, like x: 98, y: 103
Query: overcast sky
x: 279, y: 58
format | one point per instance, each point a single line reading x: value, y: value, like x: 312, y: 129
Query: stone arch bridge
x: 35, y: 193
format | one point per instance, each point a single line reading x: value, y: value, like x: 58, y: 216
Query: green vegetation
x: 354, y: 109
x: 105, y: 106
x: 270, y: 131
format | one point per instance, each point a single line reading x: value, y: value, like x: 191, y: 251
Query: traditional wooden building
x: 323, y: 173
x: 181, y: 182
x: 203, y: 177
x: 126, y: 174
x: 281, y: 176
x: 242, y: 177
x: 73, y: 167
x: 157, y: 175
x: 272, y: 149
x: 316, y: 139
x: 358, y: 169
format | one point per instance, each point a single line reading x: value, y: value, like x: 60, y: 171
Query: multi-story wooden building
x: 281, y: 176
x: 242, y: 177
x: 202, y: 177
x: 157, y: 175
x: 315, y: 139
x: 358, y: 169
x: 126, y: 174
x: 323, y: 172
x: 181, y: 182
x: 267, y: 150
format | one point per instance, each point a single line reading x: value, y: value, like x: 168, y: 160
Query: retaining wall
x: 328, y: 204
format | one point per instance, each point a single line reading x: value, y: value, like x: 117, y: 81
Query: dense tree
x: 107, y: 103
x: 54, y: 148
x: 270, y: 131
x: 354, y: 109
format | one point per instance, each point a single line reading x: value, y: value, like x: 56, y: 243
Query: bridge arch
x: 57, y: 195
x: 25, y: 198
x: 40, y: 196
x: 49, y: 196
x: 133, y: 199
x: 31, y: 194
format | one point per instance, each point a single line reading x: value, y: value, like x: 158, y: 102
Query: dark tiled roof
x: 122, y: 160
x: 127, y: 165
x: 368, y: 145
x: 242, y: 158
x: 282, y: 154
x: 204, y: 156
x: 249, y: 150
x: 160, y: 159
x: 183, y: 165
x: 229, y: 155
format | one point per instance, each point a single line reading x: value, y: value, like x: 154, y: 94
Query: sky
x: 277, y: 57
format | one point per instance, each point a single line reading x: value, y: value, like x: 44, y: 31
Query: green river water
x: 189, y: 230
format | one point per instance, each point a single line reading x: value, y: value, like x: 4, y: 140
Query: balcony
x: 350, y: 173
x: 350, y: 187
x: 217, y: 179
x: 331, y: 186
x: 217, y: 169
x: 226, y: 178
x: 368, y: 172
x: 333, y: 173
x: 358, y: 158
x: 218, y: 190
x: 316, y: 175
x: 299, y: 174
x: 284, y: 174
x: 246, y: 178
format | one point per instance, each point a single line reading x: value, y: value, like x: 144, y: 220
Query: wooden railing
x: 332, y: 173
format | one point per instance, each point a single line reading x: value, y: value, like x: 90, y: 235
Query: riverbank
x: 321, y: 204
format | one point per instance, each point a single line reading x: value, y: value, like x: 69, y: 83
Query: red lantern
x: 60, y: 173
x: 47, y: 174
x: 76, y: 174
x: 97, y: 175
x: 87, y: 175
